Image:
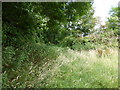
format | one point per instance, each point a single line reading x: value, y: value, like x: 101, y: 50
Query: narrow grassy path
x: 84, y: 69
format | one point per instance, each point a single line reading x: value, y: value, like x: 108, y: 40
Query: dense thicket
x: 27, y: 26
x: 35, y: 21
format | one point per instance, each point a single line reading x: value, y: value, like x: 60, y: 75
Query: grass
x: 85, y: 70
x: 69, y: 69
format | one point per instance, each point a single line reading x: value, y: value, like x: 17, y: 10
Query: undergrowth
x: 56, y: 67
x: 18, y: 63
x: 73, y: 63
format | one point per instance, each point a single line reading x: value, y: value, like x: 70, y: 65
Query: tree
x: 113, y: 19
x: 83, y: 25
x: 42, y: 21
x: 18, y: 23
x: 62, y: 14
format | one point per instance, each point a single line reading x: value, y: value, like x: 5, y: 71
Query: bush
x: 40, y: 52
x: 68, y: 41
x: 20, y: 60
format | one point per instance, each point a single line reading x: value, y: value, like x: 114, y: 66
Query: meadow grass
x: 85, y: 70
x: 69, y: 69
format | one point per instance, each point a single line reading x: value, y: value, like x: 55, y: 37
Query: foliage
x: 68, y: 41
x: 63, y: 14
x: 17, y: 61
x: 70, y: 69
x: 91, y: 41
x: 113, y: 20
x: 38, y: 38
x: 40, y: 22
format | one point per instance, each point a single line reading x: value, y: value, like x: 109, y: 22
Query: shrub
x: 20, y: 60
x: 68, y: 41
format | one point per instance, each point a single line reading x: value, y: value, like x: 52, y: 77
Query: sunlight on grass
x: 71, y: 69
x: 85, y: 70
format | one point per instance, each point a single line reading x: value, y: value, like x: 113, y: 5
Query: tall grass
x: 61, y: 68
x: 22, y: 66
x: 85, y: 70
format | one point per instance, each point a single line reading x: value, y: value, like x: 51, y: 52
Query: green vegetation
x: 80, y: 71
x: 55, y: 45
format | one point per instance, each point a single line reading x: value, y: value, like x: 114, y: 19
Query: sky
x: 102, y: 8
